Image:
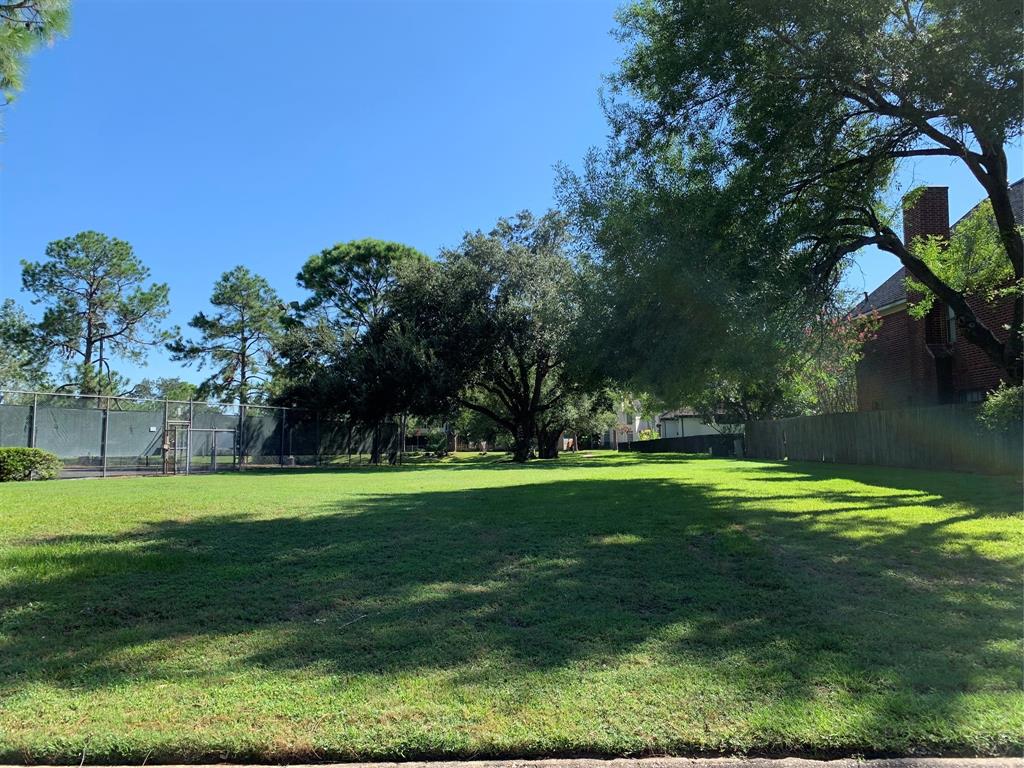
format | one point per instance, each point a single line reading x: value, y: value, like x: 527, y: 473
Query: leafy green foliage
x: 493, y: 321
x: 809, y: 107
x: 28, y: 464
x: 237, y: 340
x: 350, y: 282
x: 169, y: 388
x: 825, y: 376
x: 583, y: 411
x: 337, y: 352
x: 474, y: 427
x: 97, y: 307
x: 972, y: 261
x: 1003, y: 409
x: 816, y: 373
x: 23, y: 361
x: 24, y: 25
x: 679, y: 289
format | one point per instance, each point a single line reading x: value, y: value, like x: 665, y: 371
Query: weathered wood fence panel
x: 943, y: 437
x: 718, y: 445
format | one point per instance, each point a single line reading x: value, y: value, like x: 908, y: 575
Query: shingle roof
x: 894, y: 289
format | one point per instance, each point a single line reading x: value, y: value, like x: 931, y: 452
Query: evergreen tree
x: 98, y: 307
x: 237, y: 341
x: 24, y: 25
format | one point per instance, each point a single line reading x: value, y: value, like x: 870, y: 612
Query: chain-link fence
x: 98, y: 435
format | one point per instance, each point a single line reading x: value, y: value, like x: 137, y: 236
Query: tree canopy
x: 349, y: 282
x: 336, y: 353
x: 24, y: 25
x: 23, y: 362
x: 811, y: 105
x: 98, y: 307
x: 237, y: 340
x: 493, y: 321
x: 972, y: 261
x: 164, y: 388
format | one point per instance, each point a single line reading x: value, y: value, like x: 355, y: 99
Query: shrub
x: 648, y: 434
x: 28, y: 464
x: 1003, y: 409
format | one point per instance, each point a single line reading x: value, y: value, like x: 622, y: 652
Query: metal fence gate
x: 211, y: 449
x: 176, y: 446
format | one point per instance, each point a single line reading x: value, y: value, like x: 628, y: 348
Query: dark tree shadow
x: 597, y: 458
x: 989, y: 496
x: 774, y: 603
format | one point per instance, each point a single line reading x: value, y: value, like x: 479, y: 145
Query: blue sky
x: 211, y: 134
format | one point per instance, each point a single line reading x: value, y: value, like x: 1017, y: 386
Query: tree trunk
x: 1004, y: 355
x: 86, y: 383
x: 521, y: 439
x: 375, y: 446
x: 547, y: 443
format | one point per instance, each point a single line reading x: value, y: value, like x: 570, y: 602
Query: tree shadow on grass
x: 989, y: 496
x: 597, y: 458
x: 488, y: 583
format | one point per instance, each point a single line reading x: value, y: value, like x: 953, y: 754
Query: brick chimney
x: 929, y: 215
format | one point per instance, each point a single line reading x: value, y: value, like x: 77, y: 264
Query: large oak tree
x: 492, y: 324
x: 814, y: 103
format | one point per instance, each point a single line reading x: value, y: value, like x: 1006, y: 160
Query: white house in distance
x: 679, y: 422
x: 684, y: 422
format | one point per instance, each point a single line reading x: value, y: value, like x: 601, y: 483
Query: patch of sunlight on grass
x: 617, y: 539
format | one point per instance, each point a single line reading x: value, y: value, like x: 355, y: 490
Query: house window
x: 973, y: 395
x: 950, y: 324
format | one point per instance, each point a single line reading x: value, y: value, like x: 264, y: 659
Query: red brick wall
x: 896, y: 370
x: 972, y: 369
x: 928, y: 216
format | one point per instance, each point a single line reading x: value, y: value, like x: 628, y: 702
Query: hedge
x: 1003, y: 409
x: 28, y: 464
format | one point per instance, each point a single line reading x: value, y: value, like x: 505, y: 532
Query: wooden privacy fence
x: 717, y: 445
x: 943, y: 437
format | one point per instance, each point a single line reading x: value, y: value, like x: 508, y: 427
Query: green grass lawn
x: 609, y: 605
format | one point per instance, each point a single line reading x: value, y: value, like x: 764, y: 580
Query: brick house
x: 915, y: 362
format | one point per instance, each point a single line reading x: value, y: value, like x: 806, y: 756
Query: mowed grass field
x: 608, y: 605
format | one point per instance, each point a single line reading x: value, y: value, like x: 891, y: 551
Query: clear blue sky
x: 210, y: 134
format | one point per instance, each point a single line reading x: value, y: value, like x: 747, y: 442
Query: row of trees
x: 100, y: 307
x: 699, y: 257
x: 486, y: 328
x: 484, y: 331
x: 496, y: 337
